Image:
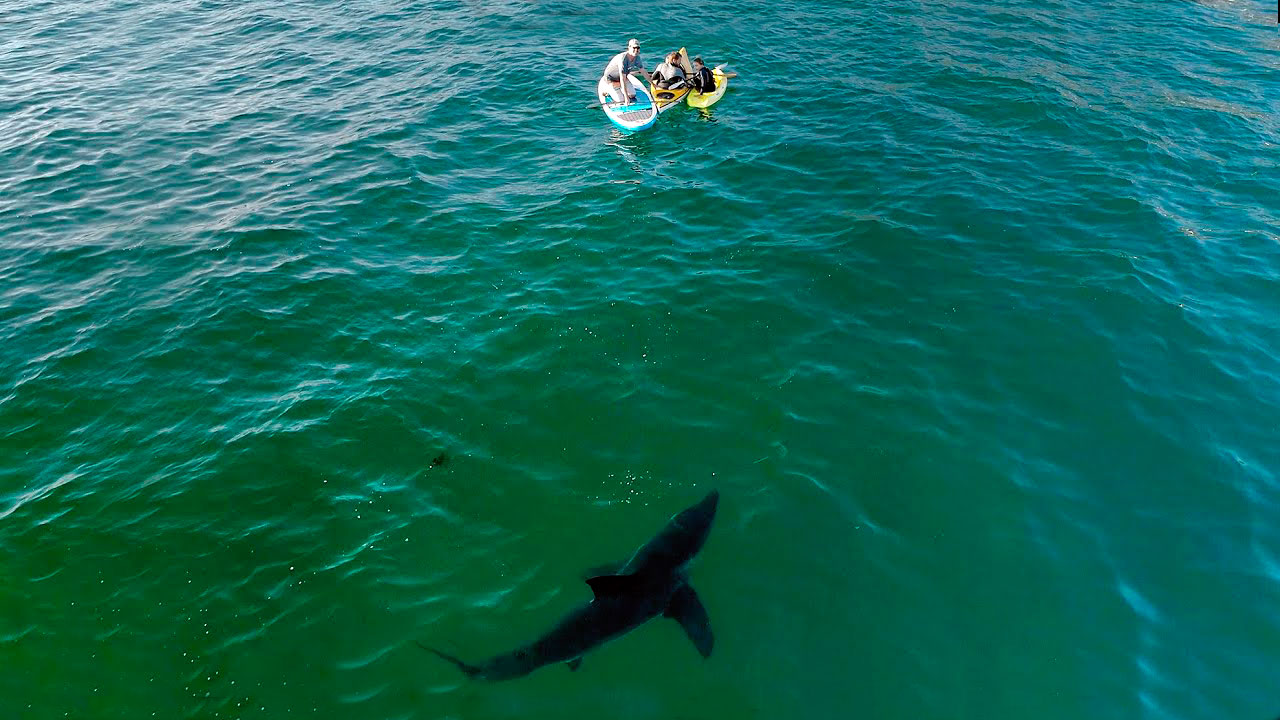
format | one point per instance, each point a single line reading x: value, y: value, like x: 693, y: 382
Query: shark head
x: 681, y: 539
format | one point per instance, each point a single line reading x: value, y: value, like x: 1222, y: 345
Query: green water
x: 329, y: 327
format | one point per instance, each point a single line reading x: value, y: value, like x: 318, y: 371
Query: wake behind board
x: 641, y: 114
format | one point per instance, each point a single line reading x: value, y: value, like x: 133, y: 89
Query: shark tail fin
x: 468, y: 670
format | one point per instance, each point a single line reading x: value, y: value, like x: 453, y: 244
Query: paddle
x: 653, y: 94
x: 611, y: 103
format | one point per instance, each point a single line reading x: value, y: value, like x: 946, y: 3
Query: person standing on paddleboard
x: 622, y: 65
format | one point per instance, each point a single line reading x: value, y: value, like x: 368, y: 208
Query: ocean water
x: 330, y: 327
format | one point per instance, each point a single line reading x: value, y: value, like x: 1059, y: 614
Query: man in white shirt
x: 622, y: 65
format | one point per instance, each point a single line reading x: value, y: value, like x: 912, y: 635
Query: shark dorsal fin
x: 606, y: 569
x: 610, y: 585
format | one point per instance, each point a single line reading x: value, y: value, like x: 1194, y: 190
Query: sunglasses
x: 634, y: 47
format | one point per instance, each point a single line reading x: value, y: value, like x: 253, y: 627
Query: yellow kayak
x: 665, y: 98
x: 702, y: 100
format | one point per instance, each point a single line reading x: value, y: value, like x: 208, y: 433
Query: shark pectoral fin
x: 686, y: 609
x: 575, y: 663
x: 608, y: 585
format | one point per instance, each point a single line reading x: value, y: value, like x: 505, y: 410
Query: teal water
x: 327, y: 327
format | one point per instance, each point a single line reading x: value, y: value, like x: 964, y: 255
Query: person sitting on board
x: 704, y: 78
x: 669, y: 75
x: 702, y: 81
x: 622, y: 65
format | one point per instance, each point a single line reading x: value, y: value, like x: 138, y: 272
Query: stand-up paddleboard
x: 703, y: 100
x: 641, y: 114
x: 667, y: 98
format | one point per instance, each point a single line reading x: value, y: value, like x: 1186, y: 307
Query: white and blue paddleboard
x: 641, y: 114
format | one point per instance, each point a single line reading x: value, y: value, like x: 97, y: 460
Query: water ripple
x: 326, y: 328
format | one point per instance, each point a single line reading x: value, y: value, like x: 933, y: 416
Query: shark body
x: 653, y: 582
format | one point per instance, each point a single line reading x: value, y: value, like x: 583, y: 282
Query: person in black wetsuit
x: 702, y: 80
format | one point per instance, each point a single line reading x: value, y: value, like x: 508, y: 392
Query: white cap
x: 633, y: 43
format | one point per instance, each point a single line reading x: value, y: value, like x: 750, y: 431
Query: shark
x: 653, y: 582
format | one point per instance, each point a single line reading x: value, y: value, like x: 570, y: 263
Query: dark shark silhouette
x: 653, y: 582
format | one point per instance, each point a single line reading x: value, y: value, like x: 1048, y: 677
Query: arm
x: 622, y: 78
x: 643, y: 73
